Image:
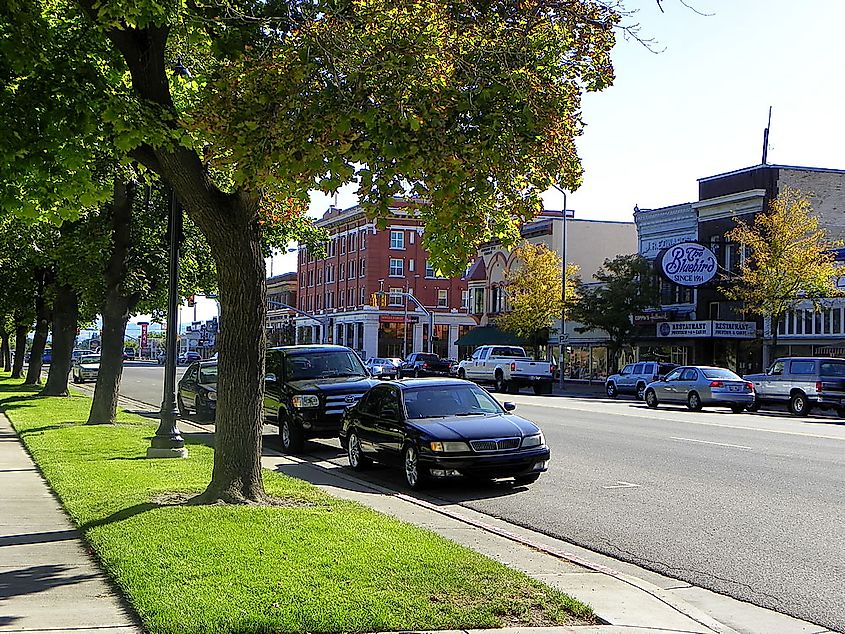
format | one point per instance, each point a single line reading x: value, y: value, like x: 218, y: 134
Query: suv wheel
x: 611, y: 390
x: 357, y: 460
x: 640, y: 391
x: 798, y: 404
x: 290, y: 435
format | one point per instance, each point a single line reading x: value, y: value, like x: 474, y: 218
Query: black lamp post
x: 168, y: 441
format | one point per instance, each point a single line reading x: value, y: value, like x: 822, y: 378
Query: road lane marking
x: 621, y: 484
x: 708, y: 442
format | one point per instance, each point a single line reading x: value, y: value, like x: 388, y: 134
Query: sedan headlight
x: 305, y: 400
x: 448, y: 446
x: 533, y: 441
x: 212, y: 396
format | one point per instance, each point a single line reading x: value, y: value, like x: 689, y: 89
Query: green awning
x: 489, y: 336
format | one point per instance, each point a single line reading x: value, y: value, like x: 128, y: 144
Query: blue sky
x: 699, y: 106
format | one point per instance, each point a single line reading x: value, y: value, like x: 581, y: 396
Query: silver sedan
x: 697, y: 386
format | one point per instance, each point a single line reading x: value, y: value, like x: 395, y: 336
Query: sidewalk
x: 49, y: 582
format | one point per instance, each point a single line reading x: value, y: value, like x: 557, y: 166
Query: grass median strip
x: 314, y: 563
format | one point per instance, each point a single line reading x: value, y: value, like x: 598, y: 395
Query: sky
x: 697, y: 107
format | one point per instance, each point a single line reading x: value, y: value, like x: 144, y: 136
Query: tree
x: 789, y: 260
x: 534, y: 287
x: 624, y: 285
x: 474, y: 108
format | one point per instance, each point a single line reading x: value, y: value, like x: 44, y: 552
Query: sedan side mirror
x: 509, y: 407
x: 270, y: 378
x: 662, y: 377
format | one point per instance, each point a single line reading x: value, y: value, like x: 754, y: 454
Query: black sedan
x: 197, y: 390
x: 442, y: 428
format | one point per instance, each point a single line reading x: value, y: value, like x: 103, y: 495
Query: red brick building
x: 362, y: 260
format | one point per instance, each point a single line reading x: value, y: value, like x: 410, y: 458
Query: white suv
x: 633, y: 378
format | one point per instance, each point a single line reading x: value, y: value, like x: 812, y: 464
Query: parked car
x: 47, y: 356
x: 85, y: 368
x: 802, y: 383
x: 442, y: 428
x: 74, y: 356
x: 633, y: 378
x: 419, y: 364
x: 382, y: 367
x: 509, y: 368
x: 308, y: 388
x: 698, y: 386
x: 129, y: 354
x: 197, y: 390
x: 188, y: 357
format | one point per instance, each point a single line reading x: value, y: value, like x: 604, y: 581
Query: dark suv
x: 308, y: 388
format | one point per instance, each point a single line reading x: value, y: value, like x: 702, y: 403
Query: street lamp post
x: 563, y: 295
x: 168, y: 441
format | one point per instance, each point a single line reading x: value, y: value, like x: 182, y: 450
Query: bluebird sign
x: 688, y: 264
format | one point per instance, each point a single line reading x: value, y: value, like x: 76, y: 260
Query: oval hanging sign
x: 689, y: 264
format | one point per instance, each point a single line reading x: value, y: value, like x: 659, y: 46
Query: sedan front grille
x: 502, y: 444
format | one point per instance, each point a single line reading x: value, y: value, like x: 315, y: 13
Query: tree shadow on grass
x: 122, y: 514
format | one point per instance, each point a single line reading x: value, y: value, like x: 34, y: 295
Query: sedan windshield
x: 208, y: 374
x: 720, y: 373
x: 316, y: 365
x: 89, y: 359
x: 440, y: 401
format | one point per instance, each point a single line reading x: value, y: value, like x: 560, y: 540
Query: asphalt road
x: 749, y: 505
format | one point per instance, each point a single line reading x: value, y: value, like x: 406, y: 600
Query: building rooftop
x: 771, y: 166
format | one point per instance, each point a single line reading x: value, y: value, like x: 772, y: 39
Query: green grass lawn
x: 318, y: 564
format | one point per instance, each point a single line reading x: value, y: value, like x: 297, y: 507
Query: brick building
x: 361, y: 260
x: 281, y: 289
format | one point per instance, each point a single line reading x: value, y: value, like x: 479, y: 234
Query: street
x: 749, y: 505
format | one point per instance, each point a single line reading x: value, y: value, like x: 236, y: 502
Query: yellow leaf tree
x: 534, y: 287
x: 789, y: 260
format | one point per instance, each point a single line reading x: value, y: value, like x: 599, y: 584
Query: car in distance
x: 188, y: 357
x: 197, y: 390
x: 129, y: 354
x: 442, y: 428
x: 633, y: 378
x: 85, y: 368
x: 419, y: 364
x: 382, y: 367
x: 307, y: 389
x: 802, y: 383
x: 698, y: 386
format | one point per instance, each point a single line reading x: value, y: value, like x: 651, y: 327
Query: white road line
x: 708, y: 442
x: 621, y: 484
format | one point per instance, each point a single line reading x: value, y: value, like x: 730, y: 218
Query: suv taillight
x: 749, y: 385
x: 425, y: 364
x: 818, y: 386
x: 513, y: 367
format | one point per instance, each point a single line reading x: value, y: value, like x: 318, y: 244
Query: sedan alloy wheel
x: 357, y: 460
x: 651, y: 399
x: 413, y: 472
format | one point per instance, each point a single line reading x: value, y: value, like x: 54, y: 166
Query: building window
x: 311, y: 277
x: 363, y: 296
x: 429, y: 269
x: 352, y: 269
x: 353, y: 239
x: 330, y: 250
x: 362, y: 269
x: 464, y: 299
x: 342, y: 245
x: 397, y: 267
x: 302, y: 281
x: 395, y: 297
x: 330, y: 300
x: 363, y: 239
x: 342, y: 275
x: 478, y: 301
x: 350, y: 297
x: 442, y: 298
x: 397, y: 239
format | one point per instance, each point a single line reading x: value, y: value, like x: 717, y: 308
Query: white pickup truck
x: 509, y: 368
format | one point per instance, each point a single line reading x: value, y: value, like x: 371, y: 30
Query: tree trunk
x: 5, y: 352
x: 21, y: 331
x: 39, y: 340
x: 115, y: 311
x: 239, y: 422
x: 104, y: 406
x: 65, y: 322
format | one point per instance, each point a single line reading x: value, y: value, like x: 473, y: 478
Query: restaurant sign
x: 689, y: 264
x: 708, y: 328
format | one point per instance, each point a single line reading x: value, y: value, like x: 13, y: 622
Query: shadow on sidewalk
x: 23, y: 581
x: 38, y: 538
